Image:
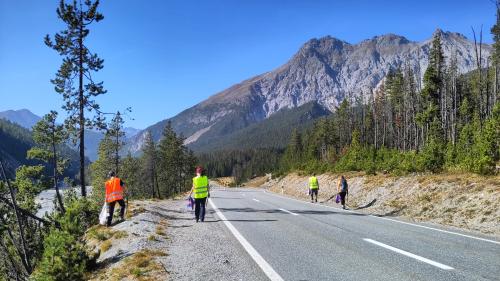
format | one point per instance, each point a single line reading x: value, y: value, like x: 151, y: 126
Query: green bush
x: 64, y: 256
x: 432, y: 156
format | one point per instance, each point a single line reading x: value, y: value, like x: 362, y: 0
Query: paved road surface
x: 294, y: 240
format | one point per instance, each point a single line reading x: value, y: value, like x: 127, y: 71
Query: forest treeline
x: 451, y: 122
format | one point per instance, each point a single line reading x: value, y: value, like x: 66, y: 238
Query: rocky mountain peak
x: 325, y: 70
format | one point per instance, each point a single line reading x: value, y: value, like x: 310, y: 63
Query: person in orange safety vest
x: 114, y: 193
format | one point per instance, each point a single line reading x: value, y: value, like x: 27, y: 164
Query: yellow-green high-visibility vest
x: 200, y: 187
x: 313, y: 183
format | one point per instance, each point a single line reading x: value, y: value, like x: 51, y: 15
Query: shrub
x: 64, y: 258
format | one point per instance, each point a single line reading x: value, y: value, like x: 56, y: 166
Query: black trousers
x: 342, y: 197
x: 111, y: 210
x: 314, y: 192
x: 199, y: 208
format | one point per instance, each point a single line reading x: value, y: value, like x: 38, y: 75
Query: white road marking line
x: 243, y: 194
x: 286, y: 211
x: 408, y: 254
x: 256, y: 200
x: 261, y: 262
x: 393, y: 220
x: 440, y: 230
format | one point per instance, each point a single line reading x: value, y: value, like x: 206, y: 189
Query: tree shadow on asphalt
x: 240, y: 220
x: 276, y: 211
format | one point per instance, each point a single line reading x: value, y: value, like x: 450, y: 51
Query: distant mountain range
x: 324, y: 71
x: 22, y: 117
x: 16, y: 140
x: 27, y: 119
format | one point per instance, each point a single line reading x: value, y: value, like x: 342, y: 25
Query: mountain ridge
x: 326, y: 70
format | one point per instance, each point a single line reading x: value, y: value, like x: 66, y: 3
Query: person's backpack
x: 345, y: 186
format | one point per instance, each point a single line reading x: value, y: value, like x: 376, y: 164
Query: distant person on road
x: 313, y: 187
x: 343, y: 190
x: 200, y: 190
x: 114, y: 193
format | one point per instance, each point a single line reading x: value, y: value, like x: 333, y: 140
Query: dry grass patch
x: 103, y: 233
x: 226, y: 181
x: 141, y: 266
x: 106, y: 245
x: 133, y: 210
x: 160, y: 230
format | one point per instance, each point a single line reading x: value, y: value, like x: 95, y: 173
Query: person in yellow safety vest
x: 114, y: 193
x: 200, y: 191
x: 313, y: 187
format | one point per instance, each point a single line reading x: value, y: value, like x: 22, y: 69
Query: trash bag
x: 337, y: 199
x: 190, y: 203
x: 103, y: 216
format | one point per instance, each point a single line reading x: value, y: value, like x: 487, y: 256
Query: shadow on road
x: 240, y: 220
x: 276, y: 211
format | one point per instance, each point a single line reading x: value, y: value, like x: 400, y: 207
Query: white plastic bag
x: 103, y: 216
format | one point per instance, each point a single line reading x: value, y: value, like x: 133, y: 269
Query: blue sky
x: 162, y: 57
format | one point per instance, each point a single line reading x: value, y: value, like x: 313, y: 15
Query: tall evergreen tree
x: 49, y: 136
x: 430, y: 117
x: 149, y: 164
x: 101, y: 167
x: 78, y: 64
x: 115, y: 133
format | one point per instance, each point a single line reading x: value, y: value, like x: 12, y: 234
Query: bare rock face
x: 325, y: 70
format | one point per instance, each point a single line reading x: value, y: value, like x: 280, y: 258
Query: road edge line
x: 261, y: 262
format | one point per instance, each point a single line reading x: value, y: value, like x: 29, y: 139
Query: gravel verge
x: 204, y: 251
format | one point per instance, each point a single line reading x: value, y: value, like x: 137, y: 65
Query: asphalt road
x: 294, y: 240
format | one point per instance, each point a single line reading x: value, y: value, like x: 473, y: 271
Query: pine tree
x: 131, y: 175
x: 116, y: 134
x: 78, y: 63
x: 100, y: 169
x: 49, y: 136
x: 149, y: 164
x: 170, y: 153
x: 430, y: 117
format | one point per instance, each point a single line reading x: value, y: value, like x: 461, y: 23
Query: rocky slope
x: 325, y: 70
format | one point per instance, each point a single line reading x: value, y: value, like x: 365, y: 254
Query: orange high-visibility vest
x: 114, y: 190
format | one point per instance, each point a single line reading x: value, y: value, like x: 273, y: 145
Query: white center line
x: 286, y: 211
x: 256, y: 200
x: 261, y: 262
x: 408, y: 254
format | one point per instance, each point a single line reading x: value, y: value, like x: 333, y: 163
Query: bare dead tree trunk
x: 25, y: 255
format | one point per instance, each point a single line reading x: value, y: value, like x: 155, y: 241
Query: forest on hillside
x: 450, y: 121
